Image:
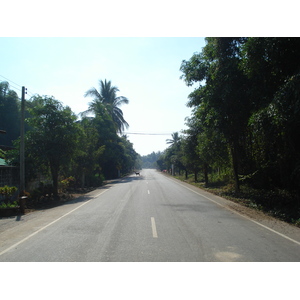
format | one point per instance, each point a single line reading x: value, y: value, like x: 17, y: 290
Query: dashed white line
x: 154, y: 231
x: 148, y: 192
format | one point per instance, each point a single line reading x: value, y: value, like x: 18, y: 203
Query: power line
x: 11, y: 81
x: 31, y: 93
x: 147, y: 133
x: 16, y: 88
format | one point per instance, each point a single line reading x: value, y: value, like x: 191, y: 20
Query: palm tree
x: 106, y: 102
x: 175, y: 139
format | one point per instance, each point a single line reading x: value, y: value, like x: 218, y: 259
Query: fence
x: 9, y: 176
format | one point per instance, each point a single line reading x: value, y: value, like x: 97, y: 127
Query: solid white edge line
x: 41, y: 229
x: 264, y: 226
x: 154, y: 231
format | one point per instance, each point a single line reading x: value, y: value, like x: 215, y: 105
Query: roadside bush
x: 7, y: 192
x: 67, y: 183
x: 9, y: 204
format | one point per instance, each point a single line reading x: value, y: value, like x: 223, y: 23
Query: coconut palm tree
x: 106, y: 102
x: 175, y: 139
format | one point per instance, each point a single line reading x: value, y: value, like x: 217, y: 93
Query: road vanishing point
x: 147, y: 218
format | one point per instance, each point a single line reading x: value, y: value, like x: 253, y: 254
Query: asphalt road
x: 145, y: 218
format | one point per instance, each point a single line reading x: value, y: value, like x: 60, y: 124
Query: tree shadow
x: 124, y: 179
x: 189, y: 207
x: 51, y: 203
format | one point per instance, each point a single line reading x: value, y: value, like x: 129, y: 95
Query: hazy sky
x: 138, y: 45
x: 146, y: 71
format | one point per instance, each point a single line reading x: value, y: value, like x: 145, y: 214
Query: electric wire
x: 129, y: 133
x: 12, y: 83
x: 147, y: 133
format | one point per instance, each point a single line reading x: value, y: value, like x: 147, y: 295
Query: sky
x: 59, y: 50
x: 146, y: 71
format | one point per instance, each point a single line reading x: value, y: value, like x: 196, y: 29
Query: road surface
x: 147, y: 218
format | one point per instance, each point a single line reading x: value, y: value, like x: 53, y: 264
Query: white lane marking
x: 36, y: 232
x: 266, y: 227
x: 148, y: 192
x: 154, y: 232
x: 99, y: 194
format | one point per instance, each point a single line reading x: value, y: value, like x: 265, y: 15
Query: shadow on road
x: 124, y: 179
x: 189, y: 207
x: 48, y: 204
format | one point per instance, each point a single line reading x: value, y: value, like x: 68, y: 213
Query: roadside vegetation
x: 65, y: 151
x: 242, y: 140
x: 277, y: 203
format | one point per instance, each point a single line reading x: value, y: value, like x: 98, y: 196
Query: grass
x: 281, y: 204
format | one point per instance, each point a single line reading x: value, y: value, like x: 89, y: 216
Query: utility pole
x: 22, y: 144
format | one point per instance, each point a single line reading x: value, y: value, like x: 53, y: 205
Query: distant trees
x: 172, y: 154
x: 150, y: 161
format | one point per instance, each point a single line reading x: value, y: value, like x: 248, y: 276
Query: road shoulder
x: 15, y: 229
x: 282, y: 227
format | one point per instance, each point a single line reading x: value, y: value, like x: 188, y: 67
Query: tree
x: 224, y: 93
x: 173, y: 153
x: 189, y: 156
x: 9, y: 114
x: 86, y: 164
x: 106, y: 102
x: 161, y: 162
x: 150, y: 161
x: 54, y: 135
x: 175, y: 140
x: 129, y: 157
x: 272, y: 66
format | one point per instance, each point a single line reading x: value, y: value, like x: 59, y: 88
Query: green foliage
x: 7, y: 191
x: 246, y: 109
x: 150, y: 161
x: 2, y: 154
x: 9, y: 204
x: 9, y: 114
x: 67, y: 182
x: 57, y: 145
x: 246, y: 112
x: 106, y: 103
x: 53, y: 139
